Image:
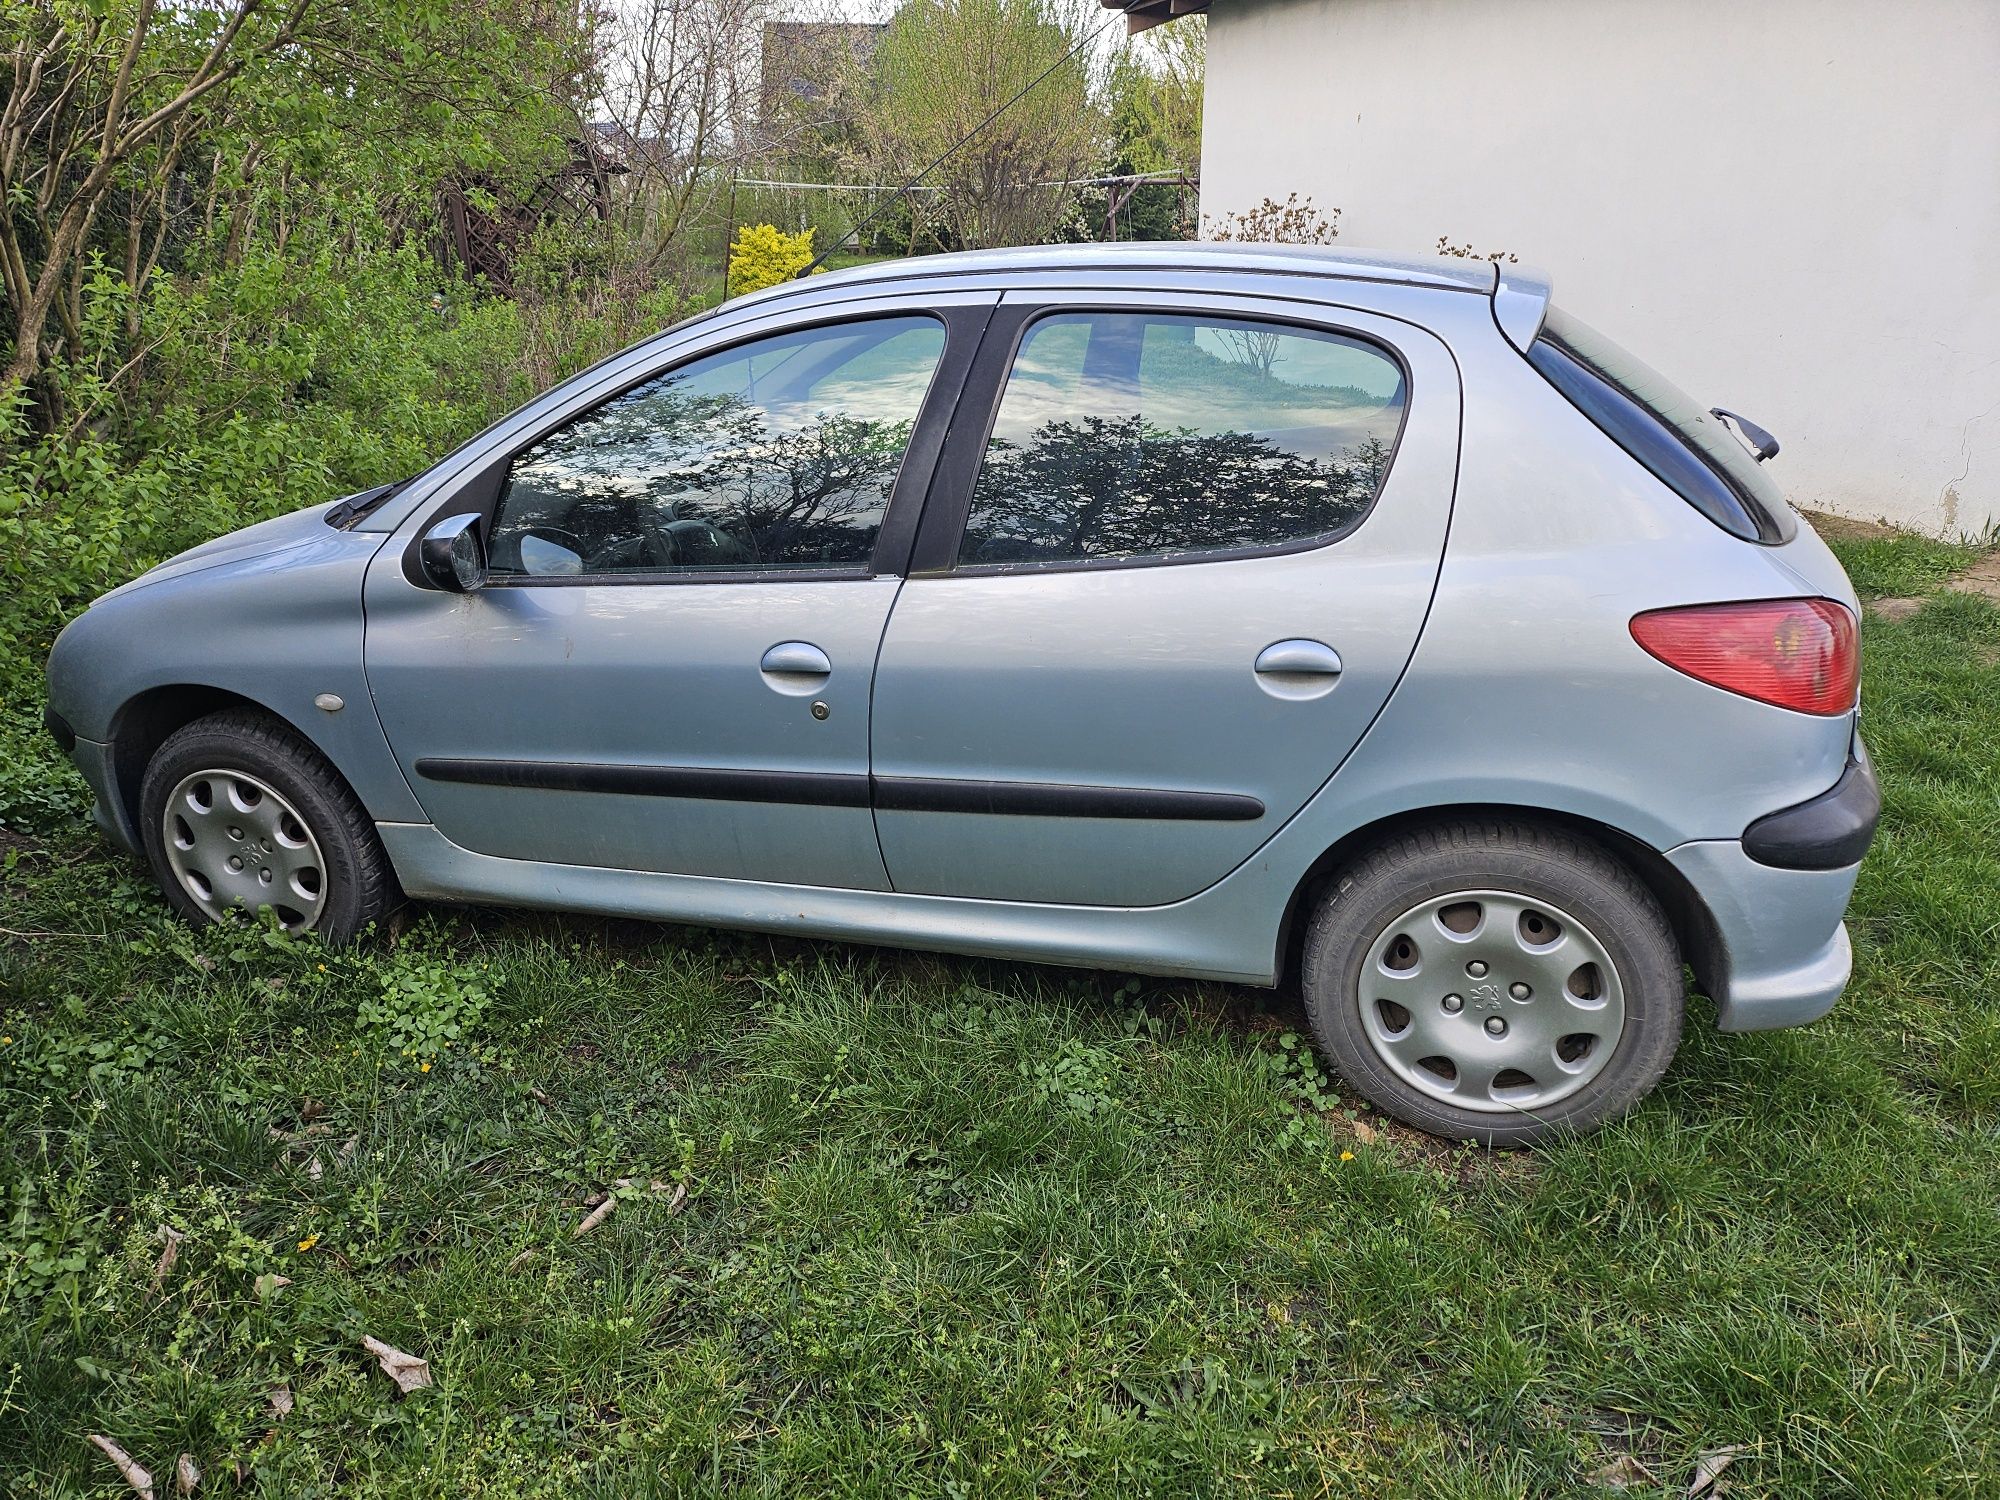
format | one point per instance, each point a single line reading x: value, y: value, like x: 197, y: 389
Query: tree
x: 99, y: 91
x: 1154, y: 97
x: 678, y: 86
x: 128, y: 124
x: 945, y: 65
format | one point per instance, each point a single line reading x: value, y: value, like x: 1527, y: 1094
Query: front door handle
x: 1299, y: 659
x: 795, y: 667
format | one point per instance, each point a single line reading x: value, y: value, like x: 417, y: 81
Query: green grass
x: 962, y: 1228
x: 1901, y: 565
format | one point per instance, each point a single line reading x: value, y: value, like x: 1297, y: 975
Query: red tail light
x: 1797, y: 653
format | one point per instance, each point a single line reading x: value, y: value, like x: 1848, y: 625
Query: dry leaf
x: 314, y: 1171
x: 1623, y: 1473
x: 310, y: 1108
x: 595, y: 1217
x: 409, y: 1372
x: 1365, y: 1133
x: 347, y: 1151
x: 522, y: 1259
x: 281, y: 1402
x: 187, y: 1475
x: 539, y: 1097
x: 1708, y: 1472
x: 204, y: 962
x: 271, y: 1282
x: 170, y: 1254
x: 140, y: 1479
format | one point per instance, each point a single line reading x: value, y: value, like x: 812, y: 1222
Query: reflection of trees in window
x: 1254, y: 346
x: 1099, y: 487
x: 667, y: 477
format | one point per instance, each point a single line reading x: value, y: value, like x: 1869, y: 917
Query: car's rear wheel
x: 240, y: 813
x: 1498, y: 982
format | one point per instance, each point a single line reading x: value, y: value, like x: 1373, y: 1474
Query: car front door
x: 1174, y: 562
x: 668, y: 668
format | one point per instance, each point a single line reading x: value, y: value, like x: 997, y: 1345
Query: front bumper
x: 95, y: 760
x: 1783, y: 955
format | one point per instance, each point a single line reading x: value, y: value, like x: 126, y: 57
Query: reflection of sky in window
x: 1319, y: 397
x: 882, y: 382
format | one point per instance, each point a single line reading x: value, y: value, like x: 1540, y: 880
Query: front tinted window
x: 775, y: 454
x: 1144, y: 436
x: 1685, y: 446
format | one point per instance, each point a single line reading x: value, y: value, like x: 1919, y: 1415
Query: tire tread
x: 1327, y: 941
x: 376, y: 891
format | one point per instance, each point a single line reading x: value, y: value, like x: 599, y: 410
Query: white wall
x: 1790, y: 207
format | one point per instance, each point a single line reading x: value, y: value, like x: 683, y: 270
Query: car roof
x: 1455, y: 274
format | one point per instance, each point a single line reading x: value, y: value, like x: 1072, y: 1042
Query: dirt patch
x: 1848, y: 528
x: 1983, y: 577
x: 1894, y: 609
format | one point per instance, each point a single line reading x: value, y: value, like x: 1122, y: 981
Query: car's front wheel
x: 1494, y: 981
x: 240, y: 813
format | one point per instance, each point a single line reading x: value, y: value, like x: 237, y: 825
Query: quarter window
x: 1140, y: 436
x: 775, y: 454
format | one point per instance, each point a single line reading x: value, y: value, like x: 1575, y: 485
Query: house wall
x: 1791, y: 208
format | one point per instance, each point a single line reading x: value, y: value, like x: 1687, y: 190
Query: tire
x: 1542, y: 981
x: 259, y: 818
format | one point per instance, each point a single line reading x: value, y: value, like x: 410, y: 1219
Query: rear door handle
x: 796, y: 659
x: 1299, y: 658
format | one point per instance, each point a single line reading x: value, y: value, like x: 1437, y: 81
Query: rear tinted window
x: 1126, y: 437
x: 1668, y: 431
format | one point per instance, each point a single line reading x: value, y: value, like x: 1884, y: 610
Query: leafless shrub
x: 1294, y: 222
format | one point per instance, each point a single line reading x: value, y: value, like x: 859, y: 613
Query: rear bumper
x: 1830, y: 832
x: 1783, y: 955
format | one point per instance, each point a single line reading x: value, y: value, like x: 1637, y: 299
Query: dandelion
x: 424, y: 1068
x: 320, y: 967
x: 307, y: 1243
x: 1347, y: 1156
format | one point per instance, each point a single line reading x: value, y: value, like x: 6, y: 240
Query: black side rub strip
x: 836, y: 789
x: 821, y: 788
x: 1830, y: 832
x: 1041, y: 799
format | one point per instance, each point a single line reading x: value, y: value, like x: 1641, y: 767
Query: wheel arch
x: 142, y: 723
x: 1694, y: 928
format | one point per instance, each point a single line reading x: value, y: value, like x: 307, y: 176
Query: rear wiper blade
x: 1761, y: 444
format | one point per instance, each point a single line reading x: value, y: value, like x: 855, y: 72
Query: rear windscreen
x: 1686, y: 448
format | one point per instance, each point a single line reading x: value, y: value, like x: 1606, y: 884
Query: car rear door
x: 668, y: 669
x: 1176, y: 556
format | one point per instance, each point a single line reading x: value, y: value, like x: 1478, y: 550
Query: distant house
x: 1790, y: 207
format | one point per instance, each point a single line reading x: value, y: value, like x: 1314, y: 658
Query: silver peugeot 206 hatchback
x: 1235, y: 612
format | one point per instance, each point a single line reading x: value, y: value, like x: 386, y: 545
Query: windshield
x: 1683, y: 444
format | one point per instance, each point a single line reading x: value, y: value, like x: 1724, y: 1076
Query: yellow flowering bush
x: 764, y: 255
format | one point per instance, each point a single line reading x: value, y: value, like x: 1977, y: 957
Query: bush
x: 284, y: 381
x: 764, y: 255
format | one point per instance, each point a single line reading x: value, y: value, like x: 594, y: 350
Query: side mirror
x: 452, y: 556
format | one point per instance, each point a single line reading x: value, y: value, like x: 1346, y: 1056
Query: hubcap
x: 235, y: 844
x: 1491, y: 1001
